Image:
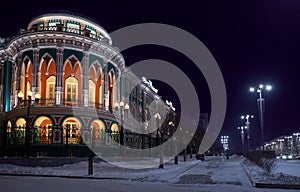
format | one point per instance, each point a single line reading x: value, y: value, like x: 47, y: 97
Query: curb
x: 64, y: 176
x: 248, y: 175
x: 279, y: 186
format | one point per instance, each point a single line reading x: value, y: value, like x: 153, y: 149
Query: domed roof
x: 65, y: 18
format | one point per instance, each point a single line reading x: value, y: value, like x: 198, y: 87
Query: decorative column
x: 18, y: 86
x: 85, y: 86
x: 118, y: 85
x: 35, y: 65
x: 59, y: 76
x: 105, y: 98
x: 7, y: 83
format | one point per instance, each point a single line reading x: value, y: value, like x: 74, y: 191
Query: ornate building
x: 62, y: 85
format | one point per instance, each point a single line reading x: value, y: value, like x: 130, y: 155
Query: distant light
x: 252, y: 116
x: 261, y: 86
x: 290, y: 157
x: 268, y: 87
x: 242, y: 117
x: 258, y: 91
x: 251, y: 89
x: 284, y: 157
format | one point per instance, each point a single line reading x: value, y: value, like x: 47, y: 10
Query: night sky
x: 252, y: 41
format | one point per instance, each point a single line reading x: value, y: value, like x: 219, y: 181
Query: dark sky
x: 252, y: 41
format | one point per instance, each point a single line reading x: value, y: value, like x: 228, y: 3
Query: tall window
x: 71, y: 89
x: 92, y: 91
x: 50, y: 91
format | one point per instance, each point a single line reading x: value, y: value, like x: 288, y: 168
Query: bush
x: 264, y: 159
x: 268, y: 165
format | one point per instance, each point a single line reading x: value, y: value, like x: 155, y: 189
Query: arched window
x: 71, y: 92
x: 92, y: 91
x: 20, y: 131
x: 50, y: 90
x: 43, y: 130
x: 115, y: 133
x: 98, y: 128
x: 71, y: 131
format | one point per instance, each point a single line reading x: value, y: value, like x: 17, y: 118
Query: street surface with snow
x: 213, y: 174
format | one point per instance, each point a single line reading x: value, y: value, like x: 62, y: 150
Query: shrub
x: 268, y: 165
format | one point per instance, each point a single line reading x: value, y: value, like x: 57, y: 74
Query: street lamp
x: 243, y: 137
x: 27, y: 103
x: 161, y: 160
x: 297, y: 141
x: 247, y: 123
x: 261, y: 107
x: 122, y: 106
x: 224, y: 141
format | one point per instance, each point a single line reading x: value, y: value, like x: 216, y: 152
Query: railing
x: 60, y: 27
x: 68, y: 103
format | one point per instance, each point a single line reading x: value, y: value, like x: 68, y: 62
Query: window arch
x: 20, y: 131
x: 26, y: 76
x: 98, y: 128
x: 47, y: 70
x: 96, y: 77
x: 115, y: 132
x: 111, y: 90
x: 50, y: 90
x: 92, y: 91
x: 43, y: 130
x: 71, y: 131
x: 72, y: 82
x: 71, y: 90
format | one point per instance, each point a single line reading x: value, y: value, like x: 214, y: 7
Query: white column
x: 105, y: 95
x: 85, y: 85
x: 59, y: 76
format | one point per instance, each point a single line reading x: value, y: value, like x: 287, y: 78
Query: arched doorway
x: 98, y: 128
x: 20, y: 131
x: 10, y: 133
x: 115, y: 133
x: 71, y: 131
x: 43, y: 130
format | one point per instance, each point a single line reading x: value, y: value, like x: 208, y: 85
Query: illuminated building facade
x: 62, y: 85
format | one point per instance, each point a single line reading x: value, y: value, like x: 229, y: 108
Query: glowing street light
x: 261, y: 107
x: 247, y: 123
x: 243, y: 137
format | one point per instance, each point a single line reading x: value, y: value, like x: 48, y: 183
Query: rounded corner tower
x: 60, y: 64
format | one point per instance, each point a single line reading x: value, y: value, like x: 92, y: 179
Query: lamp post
x: 243, y: 137
x: 247, y: 123
x: 122, y: 106
x: 224, y: 141
x: 261, y: 107
x: 28, y: 103
x: 297, y: 141
x: 161, y: 161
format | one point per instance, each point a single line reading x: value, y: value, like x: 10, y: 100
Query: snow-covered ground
x: 290, y: 167
x: 213, y: 174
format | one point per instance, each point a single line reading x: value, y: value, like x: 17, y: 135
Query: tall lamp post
x: 243, y: 137
x: 122, y: 106
x: 261, y: 107
x: 27, y: 103
x: 224, y: 141
x: 247, y: 123
x: 161, y: 161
